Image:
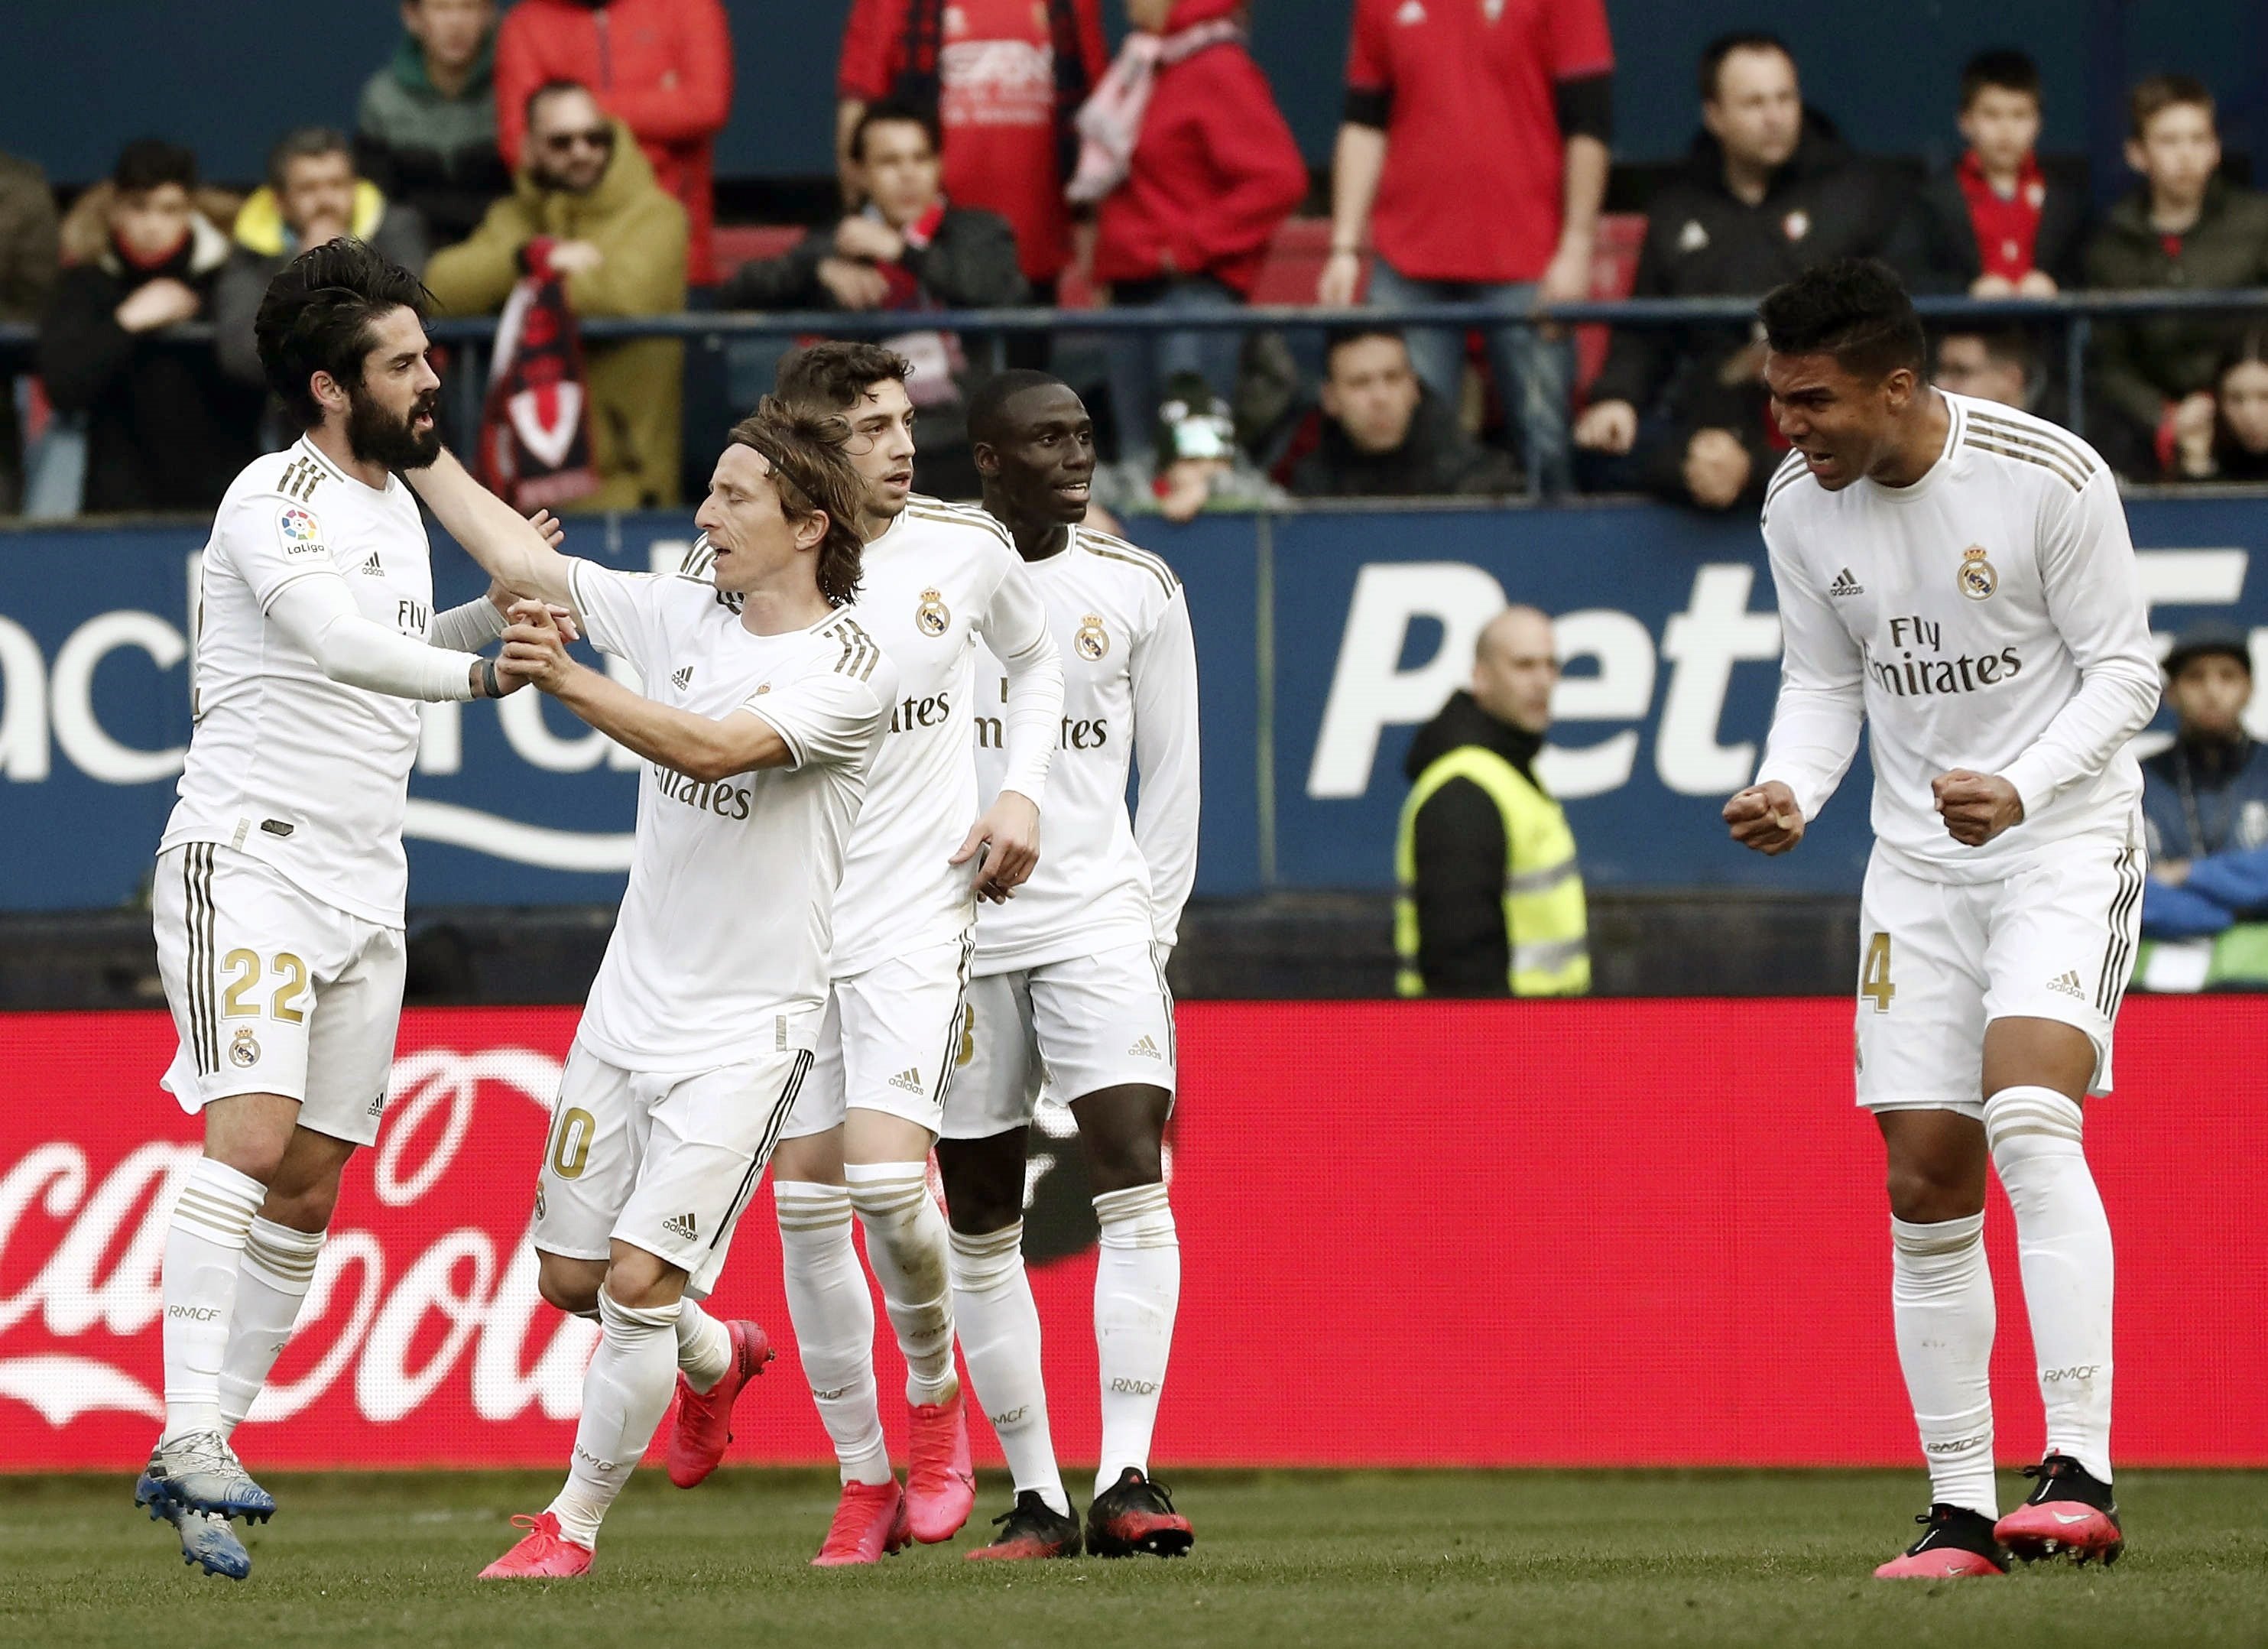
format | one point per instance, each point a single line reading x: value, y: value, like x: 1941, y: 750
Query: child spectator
x: 425, y: 133
x: 1997, y: 225
x: 2186, y: 229
x: 2205, y: 797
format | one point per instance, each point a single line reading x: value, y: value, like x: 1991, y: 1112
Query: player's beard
x: 375, y: 436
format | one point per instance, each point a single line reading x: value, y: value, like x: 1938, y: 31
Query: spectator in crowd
x: 619, y: 240
x: 2205, y: 797
x: 909, y: 247
x: 1473, y: 153
x: 312, y: 197
x: 1005, y: 77
x: 166, y: 428
x: 2232, y: 445
x: 1489, y: 899
x: 1769, y: 190
x: 1990, y: 363
x: 1997, y: 225
x: 29, y: 243
x: 1192, y: 170
x: 2186, y: 228
x: 1195, y: 463
x: 663, y: 67
x: 425, y: 133
x: 1382, y: 432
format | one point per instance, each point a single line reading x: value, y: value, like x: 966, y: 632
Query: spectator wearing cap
x: 1191, y: 170
x: 2186, y: 228
x: 426, y: 130
x: 2205, y: 797
x: 166, y: 428
x: 1382, y: 432
x: 313, y: 197
x: 1004, y: 80
x: 1196, y: 465
x: 663, y: 67
x: 29, y: 245
x: 1474, y: 157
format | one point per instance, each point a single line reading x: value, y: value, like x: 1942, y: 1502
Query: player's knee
x: 1122, y: 1163
x: 643, y: 1282
x: 303, y: 1208
x: 571, y: 1285
x: 1924, y: 1194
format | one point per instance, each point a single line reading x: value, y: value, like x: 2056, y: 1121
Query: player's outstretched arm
x: 1014, y: 626
x: 320, y: 617
x: 702, y: 747
x: 1163, y: 671
x: 1764, y: 817
x: 509, y: 549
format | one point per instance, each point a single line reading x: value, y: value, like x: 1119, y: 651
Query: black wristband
x: 489, y: 687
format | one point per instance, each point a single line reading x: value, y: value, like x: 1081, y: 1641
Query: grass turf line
x: 1369, y: 1559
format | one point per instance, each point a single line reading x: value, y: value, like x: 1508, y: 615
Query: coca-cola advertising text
x: 1582, y: 1233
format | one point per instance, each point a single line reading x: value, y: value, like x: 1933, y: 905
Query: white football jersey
x: 940, y: 579
x: 1129, y: 664
x: 304, y: 773
x: 721, y: 948
x: 1989, y: 617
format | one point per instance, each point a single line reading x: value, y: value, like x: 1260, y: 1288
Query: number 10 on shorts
x: 1875, y: 976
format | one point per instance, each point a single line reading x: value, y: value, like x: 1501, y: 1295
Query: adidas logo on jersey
x: 682, y: 676
x: 2069, y: 985
x: 373, y: 568
x: 910, y: 1079
x: 1145, y: 1049
x: 680, y: 1225
x: 1845, y: 585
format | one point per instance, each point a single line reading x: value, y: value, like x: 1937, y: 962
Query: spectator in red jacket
x: 1005, y: 78
x: 1475, y: 154
x: 1194, y: 170
x: 663, y: 67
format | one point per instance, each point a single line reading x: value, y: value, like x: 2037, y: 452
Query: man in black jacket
x: 166, y: 428
x: 1382, y: 433
x: 1769, y: 191
x: 907, y: 248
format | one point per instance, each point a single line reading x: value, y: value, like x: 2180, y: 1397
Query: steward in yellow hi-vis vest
x: 1489, y: 897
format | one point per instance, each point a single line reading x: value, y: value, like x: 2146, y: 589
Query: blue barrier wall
x: 1323, y: 637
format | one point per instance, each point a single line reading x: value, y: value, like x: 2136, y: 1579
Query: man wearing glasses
x: 586, y: 199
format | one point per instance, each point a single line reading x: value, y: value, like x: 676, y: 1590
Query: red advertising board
x: 1581, y: 1233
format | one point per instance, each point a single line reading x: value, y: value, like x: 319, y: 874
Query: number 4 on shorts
x: 1874, y: 977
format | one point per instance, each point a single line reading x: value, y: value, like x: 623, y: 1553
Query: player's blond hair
x: 815, y: 476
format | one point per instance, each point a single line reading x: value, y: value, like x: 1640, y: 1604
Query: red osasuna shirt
x: 2008, y: 229
x: 997, y: 104
x: 1473, y: 159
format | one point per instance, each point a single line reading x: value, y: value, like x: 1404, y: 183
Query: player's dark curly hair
x: 1853, y: 309
x: 835, y: 376
x: 815, y: 476
x: 319, y: 314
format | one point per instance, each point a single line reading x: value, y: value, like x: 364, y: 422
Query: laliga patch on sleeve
x: 298, y: 532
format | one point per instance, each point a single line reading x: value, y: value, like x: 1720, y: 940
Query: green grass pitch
x: 1370, y: 1558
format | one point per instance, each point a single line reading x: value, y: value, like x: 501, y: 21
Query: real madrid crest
x: 931, y: 615
x: 1975, y: 576
x: 244, y: 1051
x: 1093, y: 640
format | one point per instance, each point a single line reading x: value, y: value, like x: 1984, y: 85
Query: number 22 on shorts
x: 1875, y: 976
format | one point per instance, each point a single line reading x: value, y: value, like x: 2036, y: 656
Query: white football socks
x: 204, y: 1249
x: 626, y: 1391
x: 271, y: 1285
x: 834, y: 1319
x: 1137, y: 1286
x: 704, y: 1346
x: 999, y: 1327
x: 906, y: 1245
x: 2063, y: 1247
x: 1941, y: 1304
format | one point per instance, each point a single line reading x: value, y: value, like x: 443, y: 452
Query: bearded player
x: 1957, y: 577
x: 939, y: 581
x: 1070, y: 988
x: 280, y: 881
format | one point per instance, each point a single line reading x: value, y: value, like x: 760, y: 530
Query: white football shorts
x: 666, y: 1162
x: 1938, y: 962
x: 887, y: 1039
x: 1070, y: 1028
x: 273, y: 991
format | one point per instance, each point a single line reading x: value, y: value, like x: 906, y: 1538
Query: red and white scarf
x: 1109, y: 124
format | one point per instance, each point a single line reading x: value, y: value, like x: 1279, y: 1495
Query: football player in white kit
x: 1070, y: 987
x: 764, y: 702
x: 1958, y: 577
x: 280, y: 881
x: 939, y: 580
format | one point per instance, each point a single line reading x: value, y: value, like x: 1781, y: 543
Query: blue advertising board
x: 1324, y: 638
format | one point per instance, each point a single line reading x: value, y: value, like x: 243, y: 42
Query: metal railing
x: 2076, y: 313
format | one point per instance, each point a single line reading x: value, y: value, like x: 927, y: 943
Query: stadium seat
x: 747, y: 243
